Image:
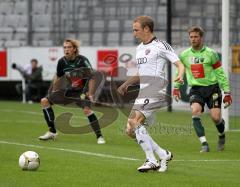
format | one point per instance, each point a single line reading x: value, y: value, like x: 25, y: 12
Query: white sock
x: 143, y: 139
x: 202, y: 139
x: 158, y: 150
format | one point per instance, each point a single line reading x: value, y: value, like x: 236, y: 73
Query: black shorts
x: 70, y: 97
x: 211, y: 95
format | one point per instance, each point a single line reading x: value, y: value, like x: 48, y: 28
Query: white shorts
x: 148, y: 107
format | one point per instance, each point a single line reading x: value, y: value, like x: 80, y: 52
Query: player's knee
x: 216, y: 118
x: 130, y: 133
x: 196, y: 111
x: 45, y: 102
x: 134, y: 122
x: 87, y: 111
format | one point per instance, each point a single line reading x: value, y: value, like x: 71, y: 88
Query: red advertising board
x: 3, y: 63
x: 107, y: 61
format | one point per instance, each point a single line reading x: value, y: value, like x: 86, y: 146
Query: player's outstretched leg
x: 50, y: 118
x: 164, y: 155
x: 200, y: 133
x: 94, y: 125
x: 221, y: 135
x: 164, y: 161
x: 143, y: 139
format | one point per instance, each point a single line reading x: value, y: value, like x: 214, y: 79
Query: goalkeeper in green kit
x: 206, y: 78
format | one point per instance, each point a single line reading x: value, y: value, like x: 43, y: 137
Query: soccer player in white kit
x: 152, y: 56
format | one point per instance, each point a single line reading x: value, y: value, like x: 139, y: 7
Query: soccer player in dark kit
x: 69, y: 67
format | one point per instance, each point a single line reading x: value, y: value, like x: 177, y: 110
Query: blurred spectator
x: 33, y: 77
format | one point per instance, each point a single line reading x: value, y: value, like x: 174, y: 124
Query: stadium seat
x: 127, y: 39
x: 97, y: 39
x: 41, y: 36
x: 113, y: 25
x: 21, y: 7
x: 6, y: 36
x: 39, y: 7
x: 113, y: 39
x: 45, y: 43
x: 42, y: 22
x: 84, y: 38
x: 83, y: 25
x: 111, y: 12
x: 12, y: 21
x: 123, y: 12
x: 2, y: 43
x: 22, y: 24
x: 6, y: 7
x: 149, y: 10
x: 98, y: 25
x: 2, y: 17
x: 21, y: 36
x: 127, y: 25
x: 97, y: 13
x: 12, y: 43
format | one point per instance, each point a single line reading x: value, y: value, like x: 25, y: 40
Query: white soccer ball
x: 29, y: 160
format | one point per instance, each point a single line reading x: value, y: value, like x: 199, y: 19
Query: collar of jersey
x: 198, y: 51
x: 150, y: 40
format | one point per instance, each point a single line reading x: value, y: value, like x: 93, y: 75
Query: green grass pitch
x: 77, y: 160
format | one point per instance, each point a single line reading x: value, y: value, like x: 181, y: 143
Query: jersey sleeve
x: 60, y: 71
x: 168, y: 52
x: 219, y: 72
x: 88, y: 73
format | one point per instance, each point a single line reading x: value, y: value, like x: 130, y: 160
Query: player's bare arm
x: 181, y: 71
x: 91, y: 89
x: 123, y: 88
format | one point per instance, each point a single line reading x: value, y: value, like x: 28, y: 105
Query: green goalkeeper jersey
x: 203, y: 68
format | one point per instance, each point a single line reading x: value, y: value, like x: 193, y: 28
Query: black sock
x: 204, y: 143
x: 49, y: 117
x: 94, y: 124
x: 198, y: 126
x: 220, y: 127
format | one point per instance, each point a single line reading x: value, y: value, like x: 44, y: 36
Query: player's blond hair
x: 75, y: 43
x: 196, y: 29
x: 145, y: 21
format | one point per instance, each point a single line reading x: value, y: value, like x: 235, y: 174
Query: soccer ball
x: 29, y: 160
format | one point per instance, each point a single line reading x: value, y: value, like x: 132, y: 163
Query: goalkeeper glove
x: 176, y: 94
x: 227, y: 100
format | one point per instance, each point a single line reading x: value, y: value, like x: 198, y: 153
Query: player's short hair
x: 75, y: 44
x: 196, y: 29
x: 145, y: 21
x: 34, y: 60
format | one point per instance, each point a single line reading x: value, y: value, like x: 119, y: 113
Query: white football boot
x: 164, y: 162
x: 101, y: 140
x: 147, y: 165
x: 48, y: 136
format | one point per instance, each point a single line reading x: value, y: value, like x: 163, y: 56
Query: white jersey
x: 153, y: 57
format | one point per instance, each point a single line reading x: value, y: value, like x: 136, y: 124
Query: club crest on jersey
x: 196, y: 60
x: 147, y: 51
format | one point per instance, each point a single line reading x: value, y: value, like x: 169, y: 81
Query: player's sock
x: 199, y: 129
x: 221, y: 127
x: 49, y: 117
x: 157, y: 149
x: 144, y: 141
x: 94, y: 124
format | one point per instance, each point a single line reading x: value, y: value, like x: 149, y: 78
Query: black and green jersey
x: 65, y: 65
x: 80, y: 67
x: 203, y: 68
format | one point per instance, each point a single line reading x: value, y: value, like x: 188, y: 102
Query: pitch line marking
x: 104, y: 155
